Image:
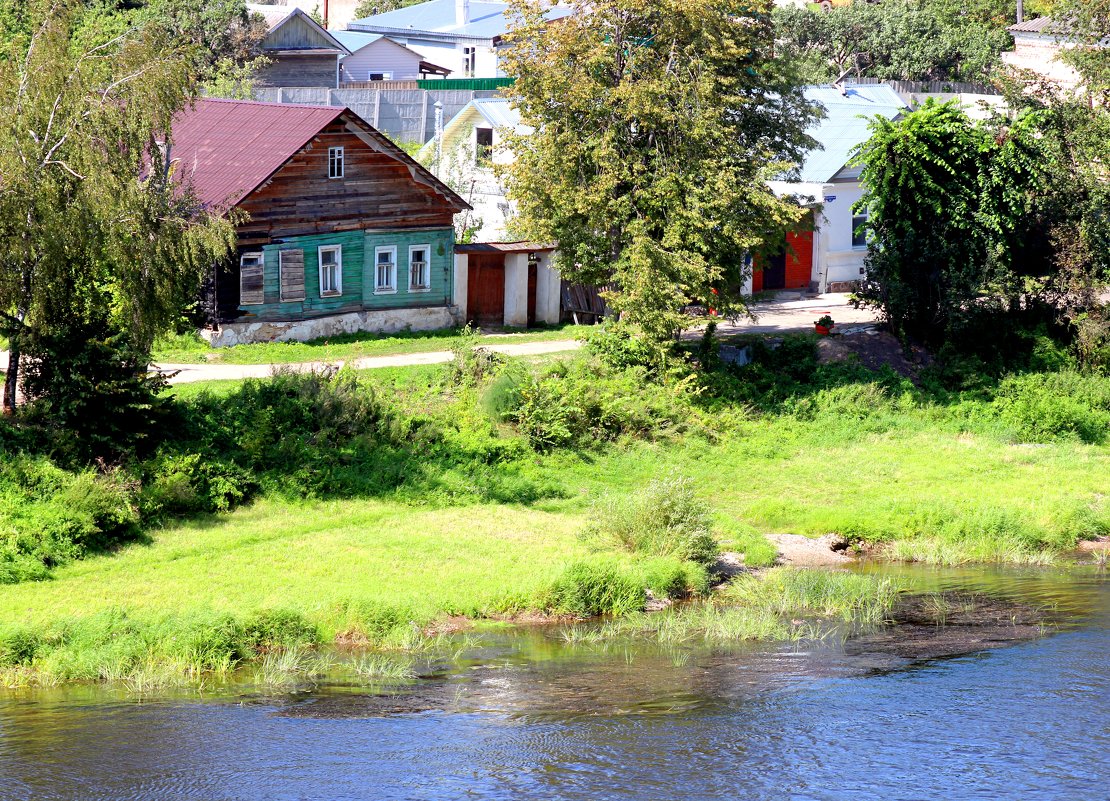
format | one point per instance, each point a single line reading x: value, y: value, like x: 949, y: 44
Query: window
x: 859, y: 231
x: 483, y: 146
x: 470, y: 58
x: 385, y: 269
x: 335, y: 162
x: 291, y: 274
x: 380, y: 76
x: 331, y: 271
x: 420, y: 270
x: 251, y: 269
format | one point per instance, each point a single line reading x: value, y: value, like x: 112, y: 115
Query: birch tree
x: 93, y: 226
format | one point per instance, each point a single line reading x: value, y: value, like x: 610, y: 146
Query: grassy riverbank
x: 492, y: 490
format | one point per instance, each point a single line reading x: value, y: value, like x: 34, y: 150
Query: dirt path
x: 788, y: 312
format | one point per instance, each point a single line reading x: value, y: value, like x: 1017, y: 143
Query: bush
x: 1042, y: 407
x: 595, y: 587
x: 666, y: 518
x: 585, y: 402
x: 277, y: 629
x: 621, y: 346
x: 51, y: 516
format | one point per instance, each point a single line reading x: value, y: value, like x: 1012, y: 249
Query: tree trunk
x: 11, y: 380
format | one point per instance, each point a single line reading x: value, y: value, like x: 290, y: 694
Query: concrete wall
x: 385, y: 321
x: 404, y: 115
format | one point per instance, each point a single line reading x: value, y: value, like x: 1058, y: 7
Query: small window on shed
x: 483, y: 146
x: 251, y: 270
x: 380, y: 76
x: 335, y: 162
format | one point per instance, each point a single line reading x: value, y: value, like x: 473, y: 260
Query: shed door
x: 485, y: 293
x: 774, y: 274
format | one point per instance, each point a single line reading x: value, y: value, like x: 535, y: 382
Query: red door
x: 485, y: 289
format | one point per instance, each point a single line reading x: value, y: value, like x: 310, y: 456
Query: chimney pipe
x: 462, y: 12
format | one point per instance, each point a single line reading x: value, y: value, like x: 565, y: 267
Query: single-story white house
x: 472, y: 143
x: 375, y: 57
x: 830, y: 257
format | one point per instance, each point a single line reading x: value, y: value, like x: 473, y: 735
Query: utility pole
x: 438, y: 105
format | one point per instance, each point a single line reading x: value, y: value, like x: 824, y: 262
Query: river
x: 527, y: 715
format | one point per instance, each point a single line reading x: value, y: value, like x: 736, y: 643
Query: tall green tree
x: 948, y: 204
x: 93, y: 225
x: 656, y: 123
x: 907, y: 40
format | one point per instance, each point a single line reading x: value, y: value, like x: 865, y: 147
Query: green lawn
x: 190, y: 349
x: 316, y: 558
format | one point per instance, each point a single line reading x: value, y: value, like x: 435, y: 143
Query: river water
x: 530, y: 716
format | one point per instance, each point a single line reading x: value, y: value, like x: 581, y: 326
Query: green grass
x: 934, y: 480
x: 191, y: 349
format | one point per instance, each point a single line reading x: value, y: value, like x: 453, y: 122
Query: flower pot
x: 823, y: 330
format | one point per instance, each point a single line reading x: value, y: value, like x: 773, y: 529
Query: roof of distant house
x: 500, y: 113
x: 278, y: 15
x: 228, y: 148
x: 487, y: 20
x: 845, y: 124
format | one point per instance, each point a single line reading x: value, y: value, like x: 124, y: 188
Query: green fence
x: 466, y: 84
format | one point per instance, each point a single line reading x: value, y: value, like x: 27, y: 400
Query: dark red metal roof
x: 226, y: 148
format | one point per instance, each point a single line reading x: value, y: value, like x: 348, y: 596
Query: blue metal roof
x: 845, y: 124
x: 487, y: 20
x: 355, y: 40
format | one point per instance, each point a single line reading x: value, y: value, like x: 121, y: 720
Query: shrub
x: 273, y: 629
x: 595, y: 587
x: 584, y: 402
x: 621, y: 346
x: 18, y: 646
x: 666, y: 518
x: 471, y: 364
x: 1042, y: 407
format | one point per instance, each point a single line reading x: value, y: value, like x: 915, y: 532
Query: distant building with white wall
x: 463, y: 36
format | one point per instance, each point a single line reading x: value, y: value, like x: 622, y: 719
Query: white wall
x: 450, y: 55
x: 839, y: 260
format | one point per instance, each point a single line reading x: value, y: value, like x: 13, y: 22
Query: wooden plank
x: 292, y: 275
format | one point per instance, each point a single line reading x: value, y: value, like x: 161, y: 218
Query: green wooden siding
x: 358, y: 274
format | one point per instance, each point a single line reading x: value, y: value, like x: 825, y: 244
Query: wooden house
x: 342, y: 231
x: 299, y: 50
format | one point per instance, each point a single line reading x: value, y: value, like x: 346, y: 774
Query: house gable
x: 381, y: 188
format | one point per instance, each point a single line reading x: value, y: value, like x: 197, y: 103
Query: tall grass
x: 852, y: 597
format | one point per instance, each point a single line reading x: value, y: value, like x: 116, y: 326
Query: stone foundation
x: 842, y: 286
x: 379, y: 321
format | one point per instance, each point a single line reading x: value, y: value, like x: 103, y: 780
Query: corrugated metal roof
x: 226, y: 148
x: 356, y: 40
x: 845, y: 125
x: 500, y: 113
x: 1038, y: 25
x: 487, y: 20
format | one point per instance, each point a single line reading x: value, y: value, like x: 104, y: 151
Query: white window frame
x: 338, y: 249
x: 254, y: 254
x: 335, y: 158
x: 392, y: 288
x: 470, y: 62
x: 427, y: 268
